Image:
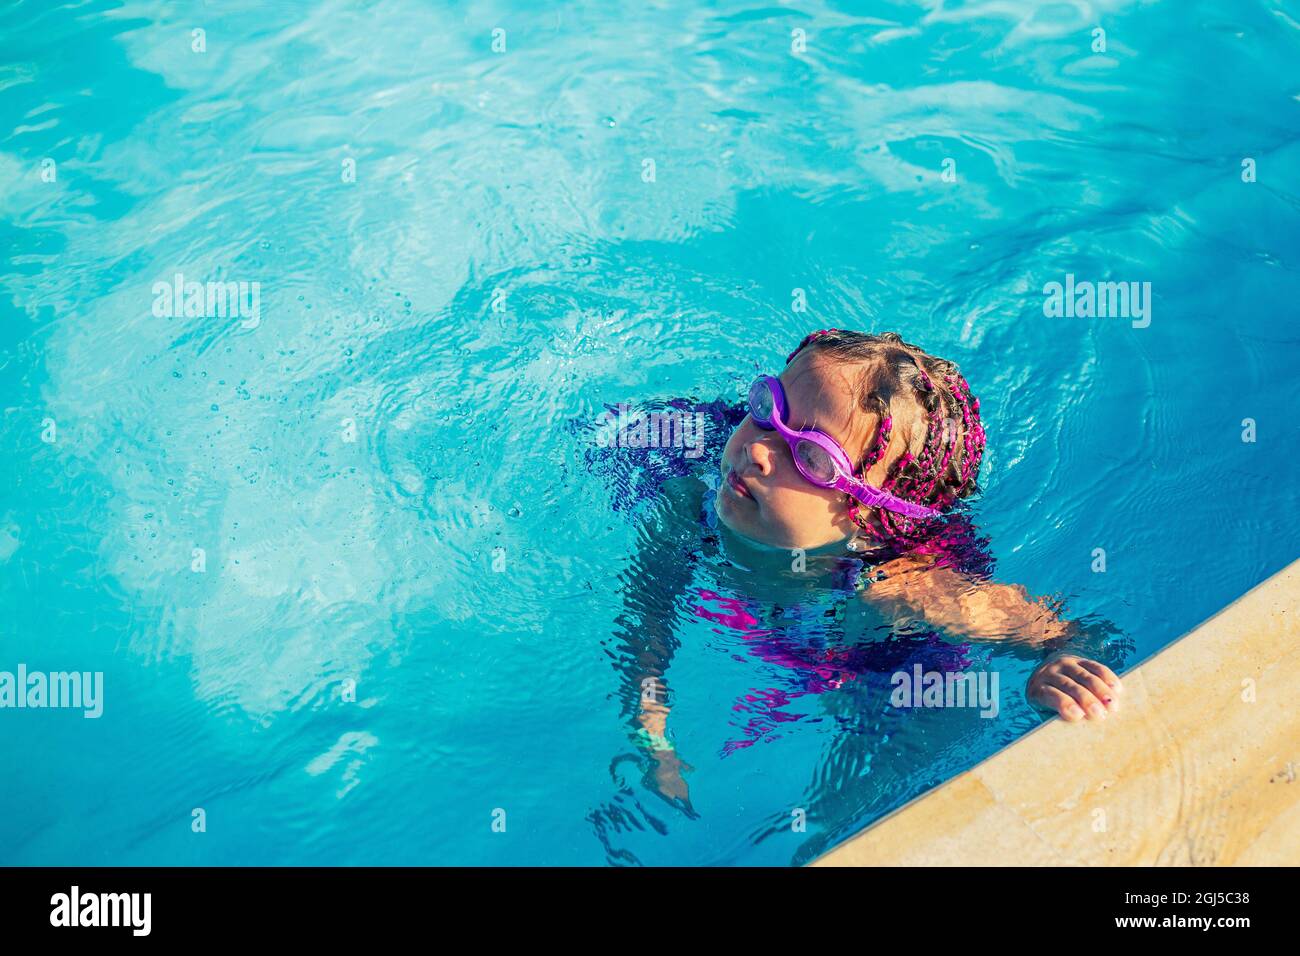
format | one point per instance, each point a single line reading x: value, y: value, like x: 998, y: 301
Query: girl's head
x: 906, y: 420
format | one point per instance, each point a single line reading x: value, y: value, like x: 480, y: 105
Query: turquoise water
x: 234, y: 517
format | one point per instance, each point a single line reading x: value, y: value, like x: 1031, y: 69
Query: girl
x: 861, y: 447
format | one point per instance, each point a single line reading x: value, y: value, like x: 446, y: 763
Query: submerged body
x: 845, y: 518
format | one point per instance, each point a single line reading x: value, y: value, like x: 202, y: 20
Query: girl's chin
x: 727, y: 507
x: 738, y: 516
x: 750, y: 536
x: 743, y: 538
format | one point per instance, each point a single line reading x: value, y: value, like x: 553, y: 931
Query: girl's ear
x: 859, y: 543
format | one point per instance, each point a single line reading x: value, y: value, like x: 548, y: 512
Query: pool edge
x: 1210, y: 778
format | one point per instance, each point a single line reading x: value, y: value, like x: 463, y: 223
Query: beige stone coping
x: 1190, y: 771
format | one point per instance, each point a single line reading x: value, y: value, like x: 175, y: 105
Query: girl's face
x: 763, y: 497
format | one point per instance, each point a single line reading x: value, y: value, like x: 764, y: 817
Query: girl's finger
x: 1104, y: 672
x: 1059, y: 701
x: 1085, y: 698
x: 1098, y: 687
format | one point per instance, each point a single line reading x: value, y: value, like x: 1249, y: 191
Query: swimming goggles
x: 820, y: 458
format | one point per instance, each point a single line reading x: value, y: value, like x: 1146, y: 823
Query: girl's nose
x: 762, y: 456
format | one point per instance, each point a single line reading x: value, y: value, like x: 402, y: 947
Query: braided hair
x: 947, y: 465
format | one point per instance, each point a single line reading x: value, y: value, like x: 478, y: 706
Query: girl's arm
x: 658, y: 572
x: 1068, y: 684
x: 980, y: 609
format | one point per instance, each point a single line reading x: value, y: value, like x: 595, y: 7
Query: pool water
x: 362, y: 581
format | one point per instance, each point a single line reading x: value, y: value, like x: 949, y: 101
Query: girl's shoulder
x: 955, y: 544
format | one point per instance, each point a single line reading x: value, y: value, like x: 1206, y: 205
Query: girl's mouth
x: 738, y: 486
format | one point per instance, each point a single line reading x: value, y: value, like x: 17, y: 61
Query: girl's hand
x: 1075, y: 687
x: 666, y: 779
